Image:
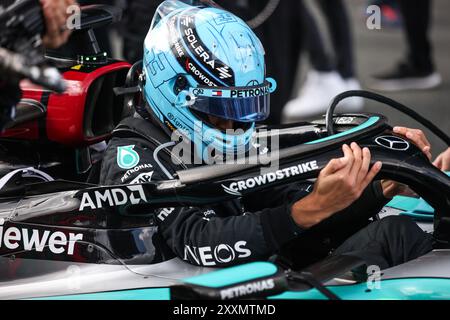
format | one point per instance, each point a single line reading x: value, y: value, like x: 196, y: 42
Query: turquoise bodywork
x: 416, y: 208
x: 395, y: 289
x: 231, y: 276
x: 136, y: 294
x: 411, y: 204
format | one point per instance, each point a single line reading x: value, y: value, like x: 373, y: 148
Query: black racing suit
x: 234, y: 232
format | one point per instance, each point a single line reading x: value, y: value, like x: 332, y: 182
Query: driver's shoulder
x: 130, y: 160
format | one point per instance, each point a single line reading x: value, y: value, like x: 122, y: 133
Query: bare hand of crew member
x: 339, y: 184
x: 417, y: 137
x: 443, y: 161
x: 392, y: 188
x: 55, y: 14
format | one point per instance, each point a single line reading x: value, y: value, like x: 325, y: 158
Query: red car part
x: 84, y: 115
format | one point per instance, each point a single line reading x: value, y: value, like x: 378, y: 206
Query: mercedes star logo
x: 393, y: 143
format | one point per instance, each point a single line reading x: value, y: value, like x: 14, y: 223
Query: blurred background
x: 378, y: 49
x: 319, y: 48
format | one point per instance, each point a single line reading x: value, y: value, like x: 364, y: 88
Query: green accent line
x: 230, y: 276
x: 138, y: 294
x: 370, y: 122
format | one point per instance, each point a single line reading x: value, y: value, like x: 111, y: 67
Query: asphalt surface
x: 379, y: 50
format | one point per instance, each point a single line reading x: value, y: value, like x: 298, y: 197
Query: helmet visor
x: 242, y: 104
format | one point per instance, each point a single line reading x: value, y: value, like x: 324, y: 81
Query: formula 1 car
x: 70, y: 238
x: 61, y: 239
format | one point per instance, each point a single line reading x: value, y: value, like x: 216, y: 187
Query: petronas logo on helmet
x: 127, y: 158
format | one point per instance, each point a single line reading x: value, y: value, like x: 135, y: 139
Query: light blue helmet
x: 201, y: 61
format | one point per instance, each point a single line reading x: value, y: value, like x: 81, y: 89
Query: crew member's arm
x: 392, y: 188
x: 55, y: 15
x: 203, y: 238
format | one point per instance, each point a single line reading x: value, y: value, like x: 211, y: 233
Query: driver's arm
x: 214, y: 236
x: 225, y: 236
x: 340, y: 184
x: 208, y: 239
x: 368, y: 205
x: 205, y: 238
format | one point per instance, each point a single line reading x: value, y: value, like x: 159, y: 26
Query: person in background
x: 390, y: 12
x: 279, y: 35
x: 328, y: 76
x: 417, y: 70
x: 134, y: 26
x: 55, y: 16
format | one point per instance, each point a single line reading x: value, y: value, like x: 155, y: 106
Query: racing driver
x: 204, y: 75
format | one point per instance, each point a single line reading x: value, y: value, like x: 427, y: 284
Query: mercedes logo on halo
x: 393, y: 143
